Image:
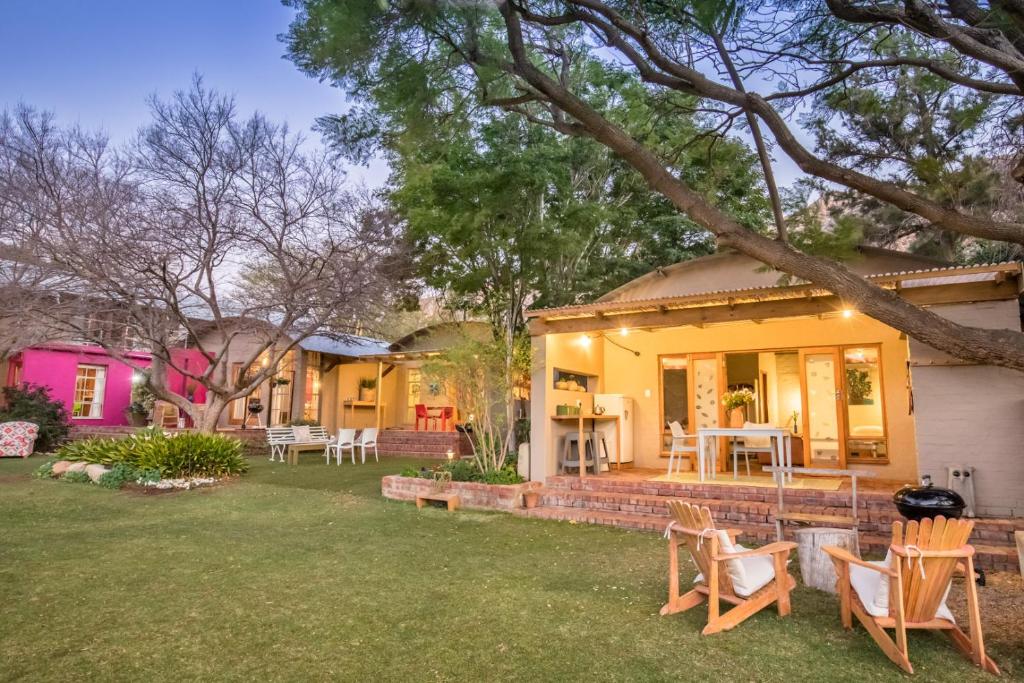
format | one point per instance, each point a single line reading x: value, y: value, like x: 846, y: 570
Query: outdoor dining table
x: 780, y: 440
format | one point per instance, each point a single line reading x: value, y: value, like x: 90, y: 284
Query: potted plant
x: 735, y: 403
x: 368, y: 389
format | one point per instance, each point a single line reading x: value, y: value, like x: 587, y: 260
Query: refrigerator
x: 616, y: 404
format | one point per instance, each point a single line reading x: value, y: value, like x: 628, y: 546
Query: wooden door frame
x: 840, y: 401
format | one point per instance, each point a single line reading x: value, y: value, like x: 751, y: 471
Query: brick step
x: 820, y: 499
x: 996, y: 532
x: 988, y: 557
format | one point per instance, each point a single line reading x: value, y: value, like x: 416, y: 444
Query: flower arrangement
x: 737, y: 399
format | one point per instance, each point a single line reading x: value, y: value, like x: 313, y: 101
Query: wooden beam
x: 690, y: 316
x: 380, y: 390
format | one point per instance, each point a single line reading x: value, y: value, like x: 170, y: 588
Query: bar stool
x: 600, y: 446
x: 567, y: 459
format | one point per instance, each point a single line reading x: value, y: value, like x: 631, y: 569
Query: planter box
x: 471, y: 494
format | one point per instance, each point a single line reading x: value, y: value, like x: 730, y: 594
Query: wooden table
x: 580, y: 419
x: 352, y: 405
x: 780, y: 440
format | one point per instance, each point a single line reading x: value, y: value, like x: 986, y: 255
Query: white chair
x: 366, y: 439
x: 346, y: 439
x: 679, y: 446
x: 750, y: 444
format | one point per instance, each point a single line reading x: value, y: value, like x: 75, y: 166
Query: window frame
x: 99, y: 391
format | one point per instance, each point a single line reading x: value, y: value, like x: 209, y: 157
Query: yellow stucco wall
x: 638, y: 377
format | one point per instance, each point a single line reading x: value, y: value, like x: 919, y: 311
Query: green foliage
x: 467, y: 470
x: 501, y: 212
x: 76, y: 478
x: 304, y: 423
x: 44, y: 471
x: 410, y: 472
x: 186, y: 454
x: 30, y: 403
x: 367, y: 382
x: 123, y: 473
x: 858, y: 383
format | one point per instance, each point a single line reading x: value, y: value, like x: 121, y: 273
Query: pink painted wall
x: 55, y: 366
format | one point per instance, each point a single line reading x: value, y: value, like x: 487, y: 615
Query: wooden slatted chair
x: 748, y: 579
x: 908, y: 590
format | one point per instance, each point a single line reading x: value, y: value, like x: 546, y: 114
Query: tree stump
x: 816, y: 568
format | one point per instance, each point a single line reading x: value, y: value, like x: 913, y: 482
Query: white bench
x: 295, y: 439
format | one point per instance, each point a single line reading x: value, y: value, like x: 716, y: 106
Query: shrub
x: 31, y: 403
x: 187, y: 454
x: 506, y: 475
x: 76, y: 478
x: 410, y: 472
x: 44, y: 471
x: 304, y: 423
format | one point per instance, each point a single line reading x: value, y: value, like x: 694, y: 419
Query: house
x: 95, y: 387
x: 319, y: 380
x: 854, y: 392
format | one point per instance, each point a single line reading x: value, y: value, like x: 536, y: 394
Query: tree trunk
x: 205, y: 416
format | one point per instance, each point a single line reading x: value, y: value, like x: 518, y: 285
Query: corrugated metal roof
x: 349, y: 345
x: 921, y: 277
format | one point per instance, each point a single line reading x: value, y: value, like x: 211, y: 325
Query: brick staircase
x: 642, y: 505
x: 422, y: 444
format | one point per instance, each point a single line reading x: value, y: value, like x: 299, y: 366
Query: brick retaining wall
x: 471, y: 494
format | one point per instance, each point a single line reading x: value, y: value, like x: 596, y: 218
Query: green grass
x: 297, y: 573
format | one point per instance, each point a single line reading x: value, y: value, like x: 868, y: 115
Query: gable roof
x: 731, y: 271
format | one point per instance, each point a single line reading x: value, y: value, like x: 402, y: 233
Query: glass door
x: 823, y: 429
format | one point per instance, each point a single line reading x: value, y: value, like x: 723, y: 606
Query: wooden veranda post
x: 376, y: 398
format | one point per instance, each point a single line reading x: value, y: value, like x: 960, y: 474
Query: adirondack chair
x: 748, y: 579
x: 908, y: 590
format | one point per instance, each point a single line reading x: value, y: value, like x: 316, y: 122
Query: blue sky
x: 95, y: 62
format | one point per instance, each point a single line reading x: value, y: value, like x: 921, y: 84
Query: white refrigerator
x: 616, y: 404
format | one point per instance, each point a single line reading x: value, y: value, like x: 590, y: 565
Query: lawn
x: 305, y: 572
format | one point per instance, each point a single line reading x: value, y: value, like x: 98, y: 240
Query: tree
x: 208, y: 231
x: 923, y: 133
x: 531, y: 57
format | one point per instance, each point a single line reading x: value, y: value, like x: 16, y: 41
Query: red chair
x: 422, y: 414
x: 447, y: 413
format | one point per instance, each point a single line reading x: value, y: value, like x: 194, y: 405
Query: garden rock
x: 77, y: 467
x: 96, y: 471
x: 60, y: 467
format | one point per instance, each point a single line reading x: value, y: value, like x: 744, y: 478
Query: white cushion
x: 757, y: 441
x: 301, y: 433
x: 748, y: 574
x: 873, y: 590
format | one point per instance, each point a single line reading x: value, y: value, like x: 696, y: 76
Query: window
x: 865, y: 417
x: 311, y: 403
x: 90, y: 383
x: 281, y: 391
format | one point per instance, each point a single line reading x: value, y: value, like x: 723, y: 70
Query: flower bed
x: 471, y: 494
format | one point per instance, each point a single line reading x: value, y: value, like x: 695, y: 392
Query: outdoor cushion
x: 873, y: 590
x: 17, y: 439
x: 757, y: 441
x: 301, y: 433
x: 748, y: 574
